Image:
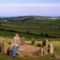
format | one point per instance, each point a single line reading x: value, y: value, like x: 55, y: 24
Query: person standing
x: 16, y: 40
x: 13, y: 51
x: 9, y: 49
x: 15, y: 45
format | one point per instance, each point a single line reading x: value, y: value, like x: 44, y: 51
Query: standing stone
x: 41, y: 51
x: 4, y: 47
x: 33, y: 41
x: 22, y: 41
x: 51, y: 51
x: 45, y: 50
x: 45, y: 43
x: 1, y: 40
x: 45, y: 46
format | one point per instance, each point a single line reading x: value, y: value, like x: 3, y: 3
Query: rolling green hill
x: 38, y: 25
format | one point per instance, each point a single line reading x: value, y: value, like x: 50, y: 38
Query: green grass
x: 3, y: 57
x: 47, y: 57
x: 28, y: 38
x: 34, y: 25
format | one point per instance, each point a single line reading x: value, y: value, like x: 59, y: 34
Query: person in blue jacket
x: 13, y: 51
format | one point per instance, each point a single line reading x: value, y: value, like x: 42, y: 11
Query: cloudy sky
x: 29, y: 7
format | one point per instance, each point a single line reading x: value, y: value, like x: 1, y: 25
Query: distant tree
x: 0, y: 24
x: 41, y: 34
x: 28, y: 32
x: 46, y: 35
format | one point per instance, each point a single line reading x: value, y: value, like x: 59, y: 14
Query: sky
x: 10, y: 8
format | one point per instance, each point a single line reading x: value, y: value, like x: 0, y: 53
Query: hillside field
x: 29, y: 27
x: 32, y: 24
x: 47, y: 57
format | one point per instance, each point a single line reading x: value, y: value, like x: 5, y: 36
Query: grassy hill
x: 38, y: 25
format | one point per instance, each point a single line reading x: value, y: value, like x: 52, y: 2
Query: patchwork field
x: 29, y: 27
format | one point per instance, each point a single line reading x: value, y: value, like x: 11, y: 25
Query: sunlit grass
x: 56, y: 44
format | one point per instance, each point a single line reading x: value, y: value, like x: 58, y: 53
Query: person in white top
x: 16, y: 40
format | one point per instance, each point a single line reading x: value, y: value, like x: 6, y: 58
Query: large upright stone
x: 41, y: 51
x: 45, y: 50
x: 51, y: 48
x: 4, y: 46
x: 22, y: 41
x: 45, y: 42
x: 33, y: 41
x: 45, y: 46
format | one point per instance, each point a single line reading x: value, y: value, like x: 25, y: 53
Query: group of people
x: 10, y: 48
x: 14, y: 46
x: 47, y: 47
x: 12, y: 51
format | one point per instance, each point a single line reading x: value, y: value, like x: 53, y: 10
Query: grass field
x: 3, y: 57
x: 9, y: 35
x: 33, y: 24
x: 31, y: 27
x: 47, y: 57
